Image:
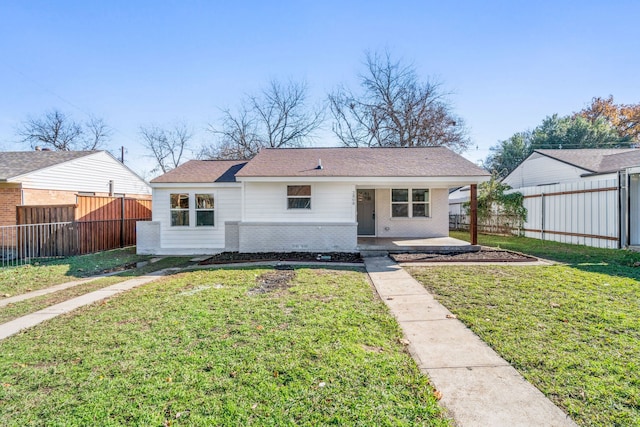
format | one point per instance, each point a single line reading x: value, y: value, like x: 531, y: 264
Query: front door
x: 366, y: 212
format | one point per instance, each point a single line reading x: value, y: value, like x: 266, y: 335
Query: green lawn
x: 21, y: 308
x: 39, y: 275
x: 573, y: 330
x: 219, y: 347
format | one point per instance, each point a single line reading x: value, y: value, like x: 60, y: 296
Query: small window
x: 400, y: 203
x: 298, y: 197
x: 179, y: 210
x: 205, y: 209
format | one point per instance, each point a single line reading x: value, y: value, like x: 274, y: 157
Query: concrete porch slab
x: 408, y: 244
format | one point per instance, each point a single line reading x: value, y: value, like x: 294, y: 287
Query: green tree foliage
x: 575, y: 132
x: 508, y: 154
x: 554, y: 132
x: 497, y: 206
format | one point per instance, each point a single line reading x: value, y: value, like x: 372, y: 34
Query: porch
x: 403, y: 244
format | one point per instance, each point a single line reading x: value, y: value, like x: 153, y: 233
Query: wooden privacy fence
x: 94, y: 224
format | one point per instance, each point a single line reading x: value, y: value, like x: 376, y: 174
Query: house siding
x: 330, y: 202
x: 435, y: 226
x: 191, y: 239
x: 542, y: 170
x: 91, y: 173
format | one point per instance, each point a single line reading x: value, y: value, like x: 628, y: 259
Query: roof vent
x: 319, y: 167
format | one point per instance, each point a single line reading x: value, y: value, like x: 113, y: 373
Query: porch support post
x: 473, y: 223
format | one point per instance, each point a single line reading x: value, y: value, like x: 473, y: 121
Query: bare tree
x: 96, y: 133
x: 395, y: 109
x: 278, y: 117
x: 167, y: 146
x: 55, y: 130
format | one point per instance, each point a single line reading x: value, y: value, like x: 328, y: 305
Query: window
x: 204, y: 210
x: 419, y: 202
x: 179, y: 209
x: 298, y: 197
x: 415, y: 207
x: 399, y: 203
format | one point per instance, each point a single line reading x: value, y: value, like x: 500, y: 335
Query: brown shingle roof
x: 203, y: 171
x: 597, y: 160
x: 16, y: 163
x: 360, y: 162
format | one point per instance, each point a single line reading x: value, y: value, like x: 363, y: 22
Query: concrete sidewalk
x: 30, y: 320
x: 478, y: 387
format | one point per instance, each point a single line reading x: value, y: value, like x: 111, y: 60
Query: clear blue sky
x: 508, y: 64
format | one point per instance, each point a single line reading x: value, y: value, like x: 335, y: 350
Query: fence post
x: 122, y: 222
x: 473, y: 224
x: 542, y: 216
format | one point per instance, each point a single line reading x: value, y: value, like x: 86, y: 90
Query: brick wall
x: 298, y: 237
x: 49, y: 197
x: 9, y: 199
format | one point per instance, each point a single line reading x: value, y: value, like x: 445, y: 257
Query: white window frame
x: 172, y: 209
x: 196, y: 209
x: 410, y: 203
x: 288, y: 197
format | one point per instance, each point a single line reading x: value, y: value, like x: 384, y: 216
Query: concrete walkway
x: 14, y: 326
x: 478, y: 387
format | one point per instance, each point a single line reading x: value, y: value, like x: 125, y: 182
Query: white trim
x: 376, y: 181
x: 310, y: 197
x: 410, y: 204
x: 193, y: 209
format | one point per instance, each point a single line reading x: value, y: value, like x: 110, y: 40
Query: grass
x: 202, y: 348
x: 572, y: 330
x: 577, y: 255
x: 18, y: 280
x: 15, y: 310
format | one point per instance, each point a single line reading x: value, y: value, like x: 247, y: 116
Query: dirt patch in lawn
x: 232, y: 257
x: 483, y: 255
x: 272, y: 281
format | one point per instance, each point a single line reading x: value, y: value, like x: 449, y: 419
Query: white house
x: 306, y: 199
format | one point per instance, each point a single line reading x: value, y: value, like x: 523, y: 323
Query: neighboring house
x: 547, y: 167
x: 307, y: 199
x: 57, y: 177
x: 581, y: 196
